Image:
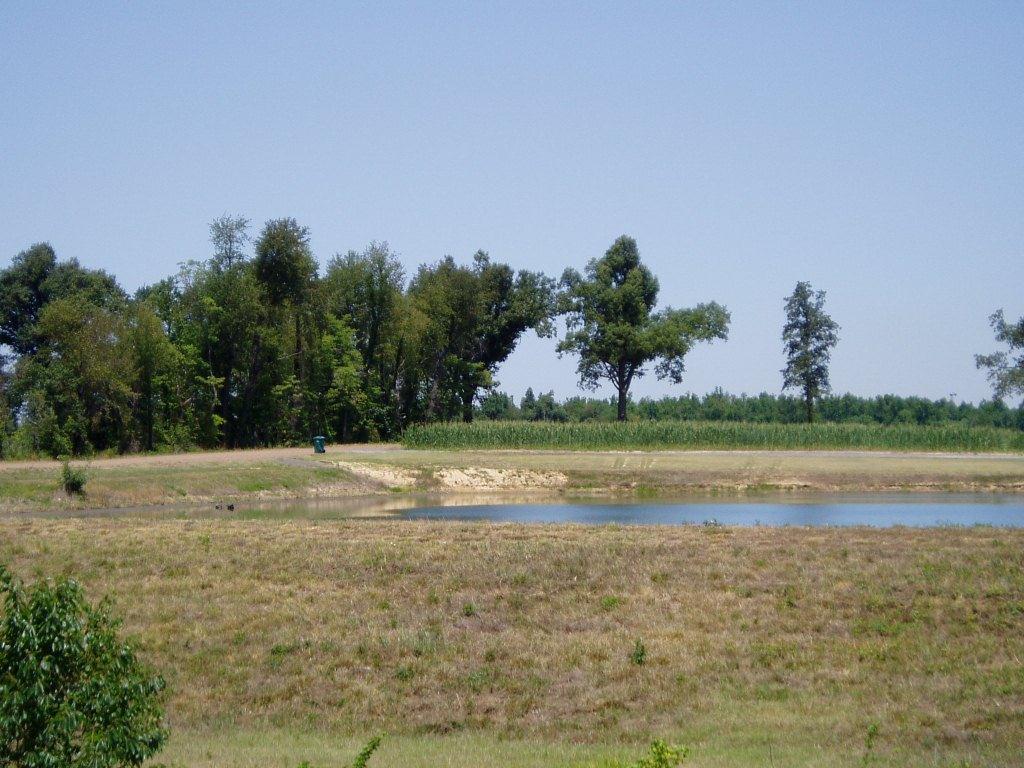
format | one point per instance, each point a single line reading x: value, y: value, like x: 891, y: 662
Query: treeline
x: 764, y: 408
x: 252, y: 346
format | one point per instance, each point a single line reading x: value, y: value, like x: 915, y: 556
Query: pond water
x: 1002, y: 511
x: 880, y: 510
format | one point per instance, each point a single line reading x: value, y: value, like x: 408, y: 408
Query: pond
x: 1002, y: 511
x: 798, y: 509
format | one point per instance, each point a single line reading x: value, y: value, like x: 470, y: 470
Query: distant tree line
x: 253, y: 346
x: 764, y: 408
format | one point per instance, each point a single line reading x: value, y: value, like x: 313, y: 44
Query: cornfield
x: 696, y: 435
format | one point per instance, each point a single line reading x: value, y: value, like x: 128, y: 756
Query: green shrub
x: 72, y: 694
x: 639, y: 654
x: 72, y: 479
x: 661, y: 755
x: 869, y: 744
x: 610, y: 602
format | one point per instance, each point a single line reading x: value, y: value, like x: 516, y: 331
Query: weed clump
x: 869, y: 744
x: 362, y: 759
x: 610, y: 602
x: 72, y: 480
x: 367, y: 752
x: 639, y: 653
x: 661, y: 755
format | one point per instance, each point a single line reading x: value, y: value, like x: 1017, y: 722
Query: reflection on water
x: 1003, y: 512
x: 907, y: 509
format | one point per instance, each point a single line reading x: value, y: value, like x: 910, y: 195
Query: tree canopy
x: 1005, y: 368
x: 614, y: 330
x: 808, y: 336
x: 477, y: 315
x: 251, y: 345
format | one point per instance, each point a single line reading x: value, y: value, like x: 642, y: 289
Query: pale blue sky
x: 876, y: 150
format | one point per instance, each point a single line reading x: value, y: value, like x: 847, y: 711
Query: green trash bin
x: 318, y: 444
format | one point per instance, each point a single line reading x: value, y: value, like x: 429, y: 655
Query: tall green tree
x: 284, y: 261
x: 23, y: 295
x: 36, y: 278
x: 158, y: 378
x: 232, y: 337
x: 229, y: 235
x: 366, y: 291
x: 476, y: 316
x: 348, y: 408
x: 77, y: 383
x: 613, y: 328
x: 809, y: 336
x: 287, y: 270
x: 1005, y: 368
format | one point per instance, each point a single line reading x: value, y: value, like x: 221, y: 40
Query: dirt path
x: 342, y: 452
x: 245, y: 456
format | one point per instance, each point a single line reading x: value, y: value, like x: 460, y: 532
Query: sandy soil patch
x: 392, y: 477
x: 488, y: 479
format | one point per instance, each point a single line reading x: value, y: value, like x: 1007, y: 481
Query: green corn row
x: 654, y: 435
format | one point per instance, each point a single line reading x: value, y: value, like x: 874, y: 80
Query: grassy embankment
x: 149, y: 480
x: 358, y: 471
x: 480, y: 645
x: 711, y: 435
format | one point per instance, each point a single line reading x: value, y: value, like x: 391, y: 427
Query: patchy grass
x: 277, y: 747
x: 283, y: 748
x: 115, y: 485
x: 792, y: 646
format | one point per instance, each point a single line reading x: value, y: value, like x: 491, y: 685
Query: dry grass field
x: 542, y: 646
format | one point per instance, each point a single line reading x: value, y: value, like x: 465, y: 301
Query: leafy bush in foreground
x: 655, y: 435
x: 72, y: 694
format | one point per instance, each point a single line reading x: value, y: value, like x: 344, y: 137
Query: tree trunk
x: 809, y: 404
x: 150, y: 418
x: 146, y: 398
x: 300, y: 355
x: 395, y: 395
x: 224, y: 393
x: 622, y: 385
x: 435, y: 386
x: 467, y: 404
